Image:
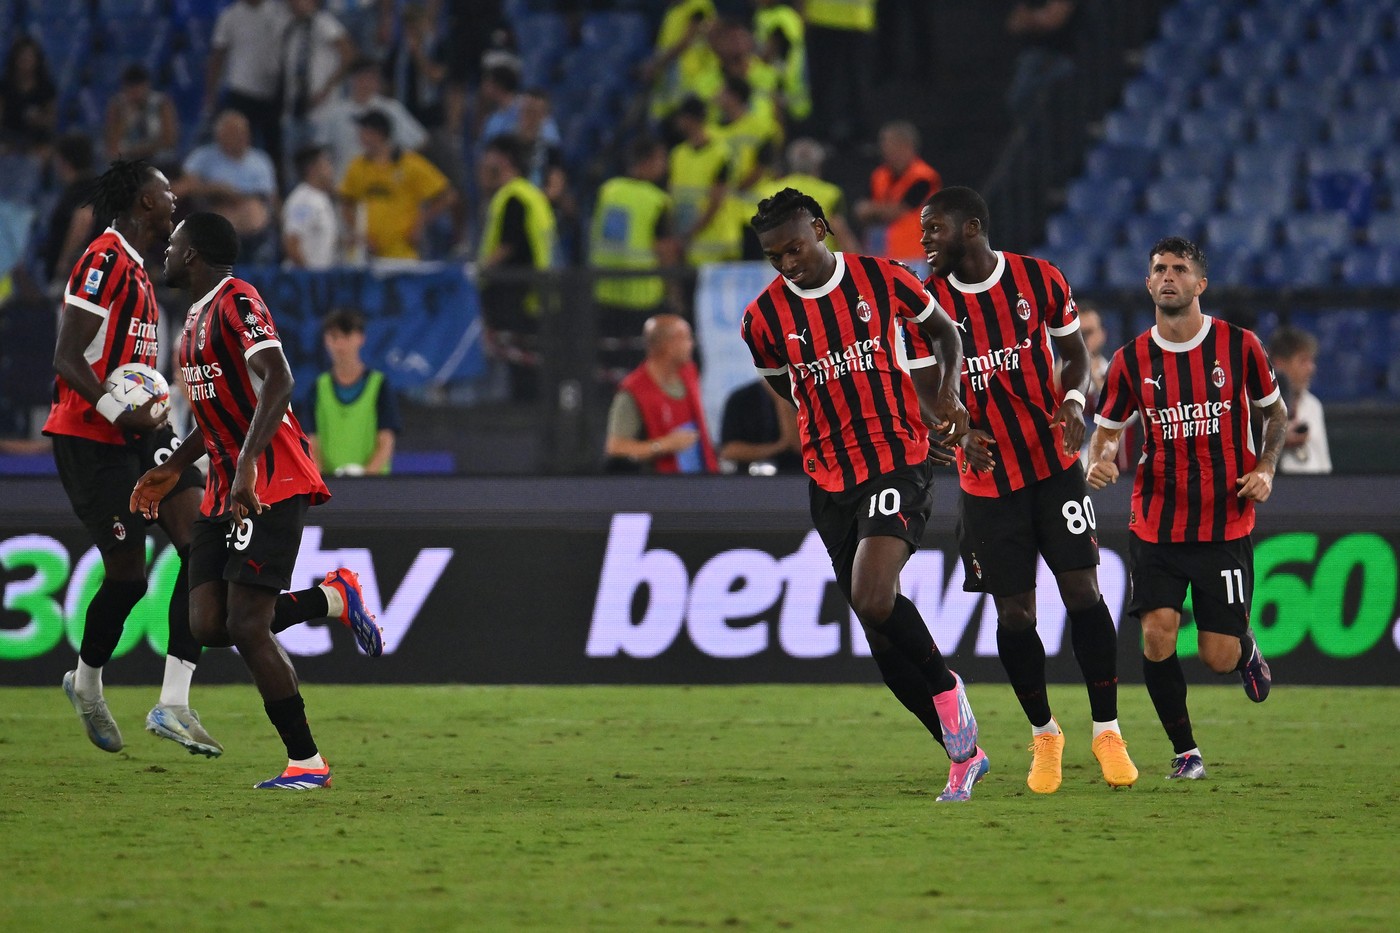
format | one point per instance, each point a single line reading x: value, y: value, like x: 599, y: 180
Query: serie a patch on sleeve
x: 92, y: 282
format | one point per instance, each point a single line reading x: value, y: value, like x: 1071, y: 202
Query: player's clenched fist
x: 1102, y: 473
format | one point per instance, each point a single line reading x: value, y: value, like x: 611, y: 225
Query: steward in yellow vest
x: 700, y: 176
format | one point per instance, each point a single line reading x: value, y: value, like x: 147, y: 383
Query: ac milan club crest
x: 1217, y: 375
x: 1023, y: 307
x: 862, y: 308
x: 119, y: 531
x: 976, y: 568
x: 203, y: 336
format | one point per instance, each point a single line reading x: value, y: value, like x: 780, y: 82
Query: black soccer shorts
x: 897, y: 504
x: 99, y: 478
x: 1000, y: 537
x: 1219, y: 573
x: 261, y: 550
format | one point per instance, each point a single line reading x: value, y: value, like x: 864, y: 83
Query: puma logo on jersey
x: 800, y: 338
x: 1157, y: 381
x: 961, y: 325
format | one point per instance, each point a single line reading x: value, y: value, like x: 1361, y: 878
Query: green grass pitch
x: 647, y: 808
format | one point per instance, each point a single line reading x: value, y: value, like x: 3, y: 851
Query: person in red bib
x: 657, y: 419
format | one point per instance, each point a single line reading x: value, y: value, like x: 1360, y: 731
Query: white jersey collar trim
x: 821, y: 291
x: 1185, y: 346
x: 991, y: 280
x: 130, y: 251
x: 205, y: 300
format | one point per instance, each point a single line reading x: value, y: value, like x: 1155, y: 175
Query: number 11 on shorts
x: 1234, y: 585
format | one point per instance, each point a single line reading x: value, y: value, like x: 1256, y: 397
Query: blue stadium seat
x: 1318, y: 96
x: 1329, y: 231
x: 1119, y: 161
x: 1369, y: 131
x: 1371, y: 266
x: 1287, y: 127
x: 1261, y: 25
x: 1124, y: 268
x: 1278, y: 163
x: 1241, y: 60
x: 1343, y: 191
x: 1080, y: 267
x: 1205, y: 162
x: 20, y: 177
x: 1142, y: 230
x: 1233, y: 267
x: 1348, y: 378
x: 1256, y: 195
x: 1371, y: 95
x: 1192, y: 195
x: 1385, y: 58
x: 1101, y: 197
x: 1066, y: 232
x: 1321, y: 161
x: 626, y: 32
x: 1214, y: 128
x: 1298, y: 267
x: 1384, y: 230
x: 1226, y: 93
x: 1187, y: 23
x: 1133, y: 128
x: 1390, y: 168
x: 1317, y: 61
x: 1237, y: 231
x: 1360, y: 26
x: 1164, y: 60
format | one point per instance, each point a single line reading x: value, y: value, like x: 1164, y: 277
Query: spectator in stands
x: 805, y: 158
x: 370, y: 23
x: 400, y: 192
x: 311, y: 230
x: 1047, y: 32
x: 735, y: 59
x: 544, y: 158
x: 1091, y: 326
x: 141, y: 121
x: 230, y: 177
x: 417, y: 73
x: 749, y: 126
x: 759, y: 433
x: 518, y: 235
x: 898, y: 188
x: 339, y: 127
x: 782, y: 42
x: 70, y: 225
x: 316, y: 55
x: 1294, y: 355
x: 682, y: 52
x: 248, y: 40
x: 700, y: 173
x: 632, y: 229
x: 353, y: 419
x: 657, y: 420
x: 841, y: 46
x: 28, y: 97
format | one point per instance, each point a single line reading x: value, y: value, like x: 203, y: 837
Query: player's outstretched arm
x: 1074, y: 378
x: 1103, y: 454
x: 156, y: 483
x: 1258, y: 484
x: 946, y: 406
x: 269, y: 364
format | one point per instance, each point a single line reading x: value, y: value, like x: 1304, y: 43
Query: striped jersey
x: 222, y: 330
x: 109, y: 281
x: 1194, y: 400
x: 1008, y: 374
x: 842, y: 345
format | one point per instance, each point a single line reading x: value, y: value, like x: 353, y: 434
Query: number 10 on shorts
x: 1234, y: 585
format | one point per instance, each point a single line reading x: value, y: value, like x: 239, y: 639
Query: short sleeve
x: 427, y: 181
x: 1062, y: 317
x: 768, y: 358
x: 1118, y: 403
x: 352, y: 186
x: 93, y: 282
x: 222, y: 28
x: 197, y: 162
x: 247, y: 317
x: 918, y: 347
x: 298, y: 216
x: 911, y: 299
x: 1259, y: 379
x: 387, y: 409
x: 265, y: 180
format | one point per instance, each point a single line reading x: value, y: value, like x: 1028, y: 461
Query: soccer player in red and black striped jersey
x: 261, y: 477
x: 828, y: 334
x: 1192, y: 379
x: 110, y: 319
x: 1023, y: 490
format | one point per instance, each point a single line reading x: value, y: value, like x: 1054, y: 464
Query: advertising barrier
x: 665, y: 580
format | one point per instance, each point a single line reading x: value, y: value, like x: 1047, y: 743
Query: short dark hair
x: 503, y: 76
x: 306, y: 155
x: 513, y: 148
x: 1287, y: 342
x: 739, y: 87
x: 536, y: 92
x: 641, y: 149
x: 212, y: 236
x: 784, y: 206
x: 962, y: 201
x: 135, y: 73
x: 692, y: 106
x: 361, y: 64
x: 1180, y: 246
x: 345, y: 320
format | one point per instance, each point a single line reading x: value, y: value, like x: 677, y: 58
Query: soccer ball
x: 134, y: 384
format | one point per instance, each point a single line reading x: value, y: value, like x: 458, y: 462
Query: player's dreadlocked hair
x: 114, y: 193
x: 780, y: 208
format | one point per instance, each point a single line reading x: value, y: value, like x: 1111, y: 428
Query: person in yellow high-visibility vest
x: 841, y: 43
x: 700, y: 175
x: 782, y: 41
x: 682, y: 52
x: 353, y: 419
x: 804, y: 163
x: 632, y: 230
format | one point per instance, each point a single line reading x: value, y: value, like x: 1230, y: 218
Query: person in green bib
x: 353, y: 419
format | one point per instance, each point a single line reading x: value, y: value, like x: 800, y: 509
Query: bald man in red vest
x: 657, y: 420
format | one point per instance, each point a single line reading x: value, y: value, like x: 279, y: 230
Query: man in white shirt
x: 339, y: 130
x: 248, y: 39
x: 310, y: 223
x: 316, y: 53
x: 1294, y: 355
